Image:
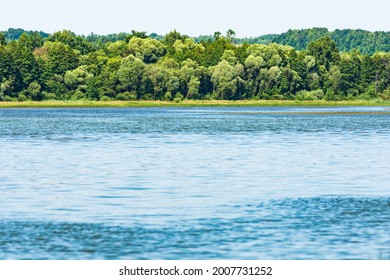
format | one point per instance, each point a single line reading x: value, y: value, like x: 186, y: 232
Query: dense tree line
x: 347, y: 39
x: 15, y: 33
x: 134, y: 66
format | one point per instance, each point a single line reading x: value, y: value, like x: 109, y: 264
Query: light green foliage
x: 127, y: 96
x: 310, y: 62
x: 183, y: 47
x: 273, y: 54
x: 386, y: 94
x: 109, y: 78
x: 131, y: 73
x: 224, y: 79
x: 5, y: 89
x: 22, y: 97
x: 173, y: 83
x: 193, y: 88
x: 188, y: 70
x: 70, y: 39
x: 119, y: 48
x: 310, y: 95
x: 178, y: 97
x: 168, y: 96
x: 80, y: 83
x: 48, y: 96
x: 70, y: 78
x: 34, y: 91
x: 274, y: 75
x: 170, y: 39
x: 158, y: 77
x: 335, y: 78
x: 187, y: 49
x: 147, y: 50
x: 253, y: 64
x: 230, y: 57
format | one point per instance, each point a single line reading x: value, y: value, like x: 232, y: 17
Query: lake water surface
x: 195, y: 183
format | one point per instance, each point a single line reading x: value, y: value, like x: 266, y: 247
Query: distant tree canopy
x: 346, y: 40
x: 14, y: 34
x: 135, y: 66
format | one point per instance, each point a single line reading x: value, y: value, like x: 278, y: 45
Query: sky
x: 248, y: 18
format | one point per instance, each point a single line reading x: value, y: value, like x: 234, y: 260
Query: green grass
x: 186, y: 103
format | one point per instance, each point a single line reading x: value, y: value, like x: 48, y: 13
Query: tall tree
x: 325, y: 51
x: 131, y: 74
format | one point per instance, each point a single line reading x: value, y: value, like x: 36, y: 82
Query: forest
x: 312, y: 64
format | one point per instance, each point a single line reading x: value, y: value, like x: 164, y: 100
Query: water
x: 195, y: 183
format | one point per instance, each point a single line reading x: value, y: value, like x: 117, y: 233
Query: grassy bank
x: 187, y: 103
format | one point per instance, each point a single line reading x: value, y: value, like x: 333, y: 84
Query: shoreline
x: 189, y: 103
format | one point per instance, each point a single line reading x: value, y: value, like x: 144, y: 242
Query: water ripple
x: 195, y: 183
x: 353, y: 228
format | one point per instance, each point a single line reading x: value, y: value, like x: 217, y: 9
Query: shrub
x: 147, y: 97
x: 305, y: 95
x: 386, y: 94
x: 48, y: 96
x: 207, y: 96
x: 214, y: 96
x: 105, y: 98
x: 79, y: 95
x: 22, y: 97
x: 178, y: 97
x: 278, y: 97
x: 127, y: 96
x: 9, y: 99
x: 168, y: 96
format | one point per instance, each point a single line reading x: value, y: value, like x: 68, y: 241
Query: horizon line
x: 149, y: 33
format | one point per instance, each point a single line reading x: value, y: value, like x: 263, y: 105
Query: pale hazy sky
x: 246, y: 17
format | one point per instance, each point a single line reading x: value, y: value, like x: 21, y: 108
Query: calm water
x: 195, y: 183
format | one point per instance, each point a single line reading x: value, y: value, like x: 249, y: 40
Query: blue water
x: 195, y: 183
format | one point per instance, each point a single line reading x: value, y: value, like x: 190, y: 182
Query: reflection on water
x: 194, y: 183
